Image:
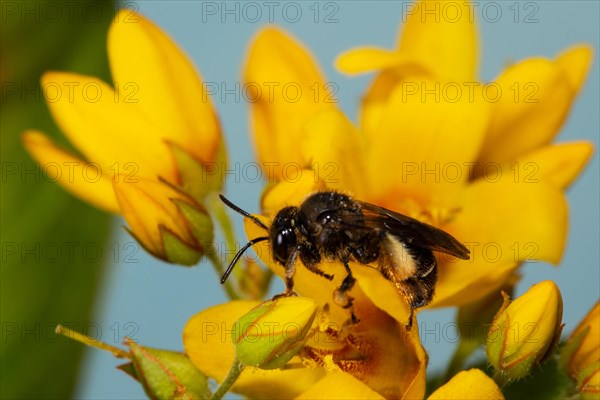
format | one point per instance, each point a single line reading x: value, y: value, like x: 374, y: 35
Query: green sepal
x: 198, y: 179
x: 588, y: 392
x: 199, y: 221
x: 495, y: 348
x: 129, y: 369
x: 166, y: 374
x: 177, y: 251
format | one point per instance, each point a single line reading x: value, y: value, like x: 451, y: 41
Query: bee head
x: 283, y: 234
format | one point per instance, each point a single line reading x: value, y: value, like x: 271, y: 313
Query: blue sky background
x: 151, y: 301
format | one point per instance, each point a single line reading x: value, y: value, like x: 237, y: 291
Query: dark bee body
x: 330, y: 226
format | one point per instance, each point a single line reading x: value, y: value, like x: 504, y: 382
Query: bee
x: 331, y: 226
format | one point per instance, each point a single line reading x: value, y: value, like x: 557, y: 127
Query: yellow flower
x: 471, y: 384
x: 453, y: 162
x: 152, y: 133
x: 525, y: 331
x: 581, y: 354
x: 422, y: 158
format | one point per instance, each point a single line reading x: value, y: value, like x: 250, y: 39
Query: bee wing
x: 412, y: 231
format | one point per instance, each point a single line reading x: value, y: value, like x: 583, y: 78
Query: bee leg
x: 341, y: 297
x: 290, y: 270
x: 411, y: 316
x: 316, y: 270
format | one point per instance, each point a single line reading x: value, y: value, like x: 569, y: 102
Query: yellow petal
x: 368, y: 59
x: 558, y: 164
x: 428, y: 142
x: 576, y: 63
x: 112, y: 133
x: 503, y: 224
x: 207, y: 341
x: 86, y: 181
x: 335, y: 151
x: 375, y: 101
x: 465, y: 284
x: 287, y: 88
x: 339, y: 385
x: 148, y: 207
x: 296, y: 185
x: 397, y: 362
x: 533, y: 100
x: 472, y: 384
x: 441, y: 35
x: 168, y: 89
x: 381, y: 292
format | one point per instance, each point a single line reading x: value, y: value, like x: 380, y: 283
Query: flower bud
x: 580, y: 357
x: 167, y: 222
x: 471, y: 384
x: 269, y: 335
x: 525, y: 331
x: 165, y: 374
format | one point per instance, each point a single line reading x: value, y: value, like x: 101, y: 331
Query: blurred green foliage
x: 50, y: 240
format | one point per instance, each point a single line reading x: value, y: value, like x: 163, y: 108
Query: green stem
x: 464, y: 349
x: 220, y: 269
x: 81, y: 338
x: 235, y: 371
x: 218, y: 210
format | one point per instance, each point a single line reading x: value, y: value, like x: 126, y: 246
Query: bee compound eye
x: 285, y: 240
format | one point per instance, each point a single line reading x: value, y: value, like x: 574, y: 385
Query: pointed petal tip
x: 124, y: 17
x: 33, y: 136
x: 576, y: 62
x: 44, y: 151
x: 365, y: 59
x: 50, y: 76
x: 271, y: 31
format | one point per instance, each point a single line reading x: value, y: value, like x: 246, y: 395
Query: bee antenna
x: 239, y: 254
x: 244, y: 213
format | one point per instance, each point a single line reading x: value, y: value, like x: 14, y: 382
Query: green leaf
x: 166, y: 374
x: 50, y: 241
